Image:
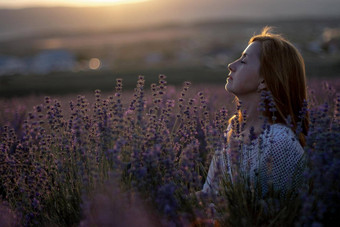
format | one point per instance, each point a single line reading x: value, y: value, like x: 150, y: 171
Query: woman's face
x: 244, y: 78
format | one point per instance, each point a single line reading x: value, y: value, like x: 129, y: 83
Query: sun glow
x: 104, y: 2
x: 51, y: 3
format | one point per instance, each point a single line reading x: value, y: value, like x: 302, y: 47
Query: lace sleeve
x: 216, y: 168
x: 211, y: 182
x: 283, y: 164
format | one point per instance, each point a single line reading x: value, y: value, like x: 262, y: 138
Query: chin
x: 228, y: 88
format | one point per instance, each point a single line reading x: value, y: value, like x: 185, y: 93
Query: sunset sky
x: 23, y: 17
x: 35, y: 3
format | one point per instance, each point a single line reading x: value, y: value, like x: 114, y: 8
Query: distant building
x: 11, y: 65
x: 314, y: 46
x: 331, y: 40
x: 45, y: 62
x: 53, y: 61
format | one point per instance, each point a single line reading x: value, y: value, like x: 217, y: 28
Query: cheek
x: 248, y: 77
x: 251, y: 77
x: 248, y: 86
x: 247, y: 82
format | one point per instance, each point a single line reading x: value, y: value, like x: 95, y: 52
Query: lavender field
x: 137, y: 158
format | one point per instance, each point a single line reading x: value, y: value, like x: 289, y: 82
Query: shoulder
x: 282, y: 138
x: 282, y: 133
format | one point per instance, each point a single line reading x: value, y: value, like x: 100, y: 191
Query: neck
x: 251, y: 114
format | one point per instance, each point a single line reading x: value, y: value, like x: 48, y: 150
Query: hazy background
x: 59, y: 49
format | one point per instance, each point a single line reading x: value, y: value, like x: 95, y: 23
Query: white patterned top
x: 274, y: 156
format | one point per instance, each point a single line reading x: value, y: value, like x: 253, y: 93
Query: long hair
x: 283, y: 69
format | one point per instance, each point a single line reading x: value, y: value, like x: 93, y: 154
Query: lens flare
x: 94, y: 63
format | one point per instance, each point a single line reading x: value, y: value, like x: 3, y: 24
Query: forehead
x: 253, y: 49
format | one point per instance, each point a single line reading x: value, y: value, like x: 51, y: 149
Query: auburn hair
x: 283, y: 70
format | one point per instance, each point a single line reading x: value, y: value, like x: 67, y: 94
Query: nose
x: 231, y: 67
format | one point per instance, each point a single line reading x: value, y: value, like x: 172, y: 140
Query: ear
x: 262, y: 85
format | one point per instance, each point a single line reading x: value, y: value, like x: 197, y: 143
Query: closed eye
x: 244, y: 55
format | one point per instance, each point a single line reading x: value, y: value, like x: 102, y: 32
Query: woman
x: 265, y: 139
